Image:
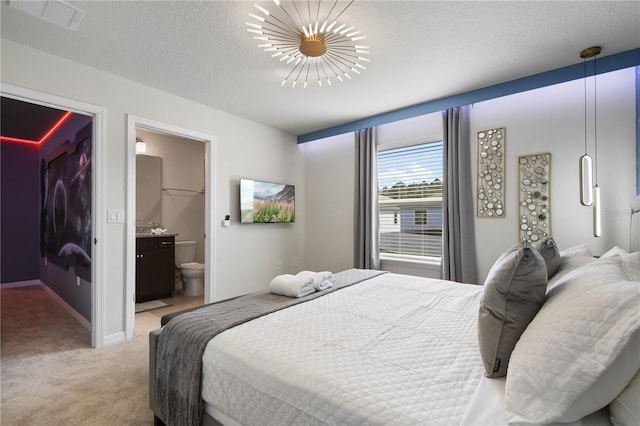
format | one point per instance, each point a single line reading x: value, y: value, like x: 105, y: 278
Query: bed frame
x: 207, y: 420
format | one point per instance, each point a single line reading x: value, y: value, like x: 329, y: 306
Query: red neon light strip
x: 55, y: 127
x: 42, y: 139
x: 10, y: 139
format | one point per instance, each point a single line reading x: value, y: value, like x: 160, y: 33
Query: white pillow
x: 579, y: 250
x: 625, y: 409
x: 609, y: 385
x: 568, y: 264
x: 586, y: 323
x: 614, y: 251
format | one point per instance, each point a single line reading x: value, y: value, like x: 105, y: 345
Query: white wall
x: 330, y: 189
x: 545, y: 120
x: 551, y: 119
x: 425, y: 127
x: 246, y: 256
x: 329, y: 165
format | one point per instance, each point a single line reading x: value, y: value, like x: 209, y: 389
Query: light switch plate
x: 115, y: 216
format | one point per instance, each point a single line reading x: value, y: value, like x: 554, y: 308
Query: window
x: 410, y: 201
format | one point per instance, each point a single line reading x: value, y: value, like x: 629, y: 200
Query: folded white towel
x: 291, y: 285
x: 321, y: 280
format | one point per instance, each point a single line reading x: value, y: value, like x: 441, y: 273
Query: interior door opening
x: 170, y: 204
x: 171, y: 195
x: 77, y: 228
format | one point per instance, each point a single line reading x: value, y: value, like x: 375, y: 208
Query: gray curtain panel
x: 366, y: 226
x: 458, y: 235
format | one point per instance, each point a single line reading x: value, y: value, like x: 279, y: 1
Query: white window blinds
x: 410, y: 200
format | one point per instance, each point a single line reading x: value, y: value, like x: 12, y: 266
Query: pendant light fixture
x: 586, y: 163
x: 597, y: 223
x: 590, y: 193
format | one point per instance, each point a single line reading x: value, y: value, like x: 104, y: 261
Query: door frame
x: 98, y: 172
x: 210, y: 141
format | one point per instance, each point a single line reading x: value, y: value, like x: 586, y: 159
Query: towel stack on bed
x: 301, y: 284
x: 321, y: 280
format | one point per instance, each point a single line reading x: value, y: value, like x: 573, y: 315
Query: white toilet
x: 191, y: 273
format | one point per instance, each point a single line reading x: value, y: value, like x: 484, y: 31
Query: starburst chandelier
x: 308, y: 36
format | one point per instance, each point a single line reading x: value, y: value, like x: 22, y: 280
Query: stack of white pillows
x: 563, y: 328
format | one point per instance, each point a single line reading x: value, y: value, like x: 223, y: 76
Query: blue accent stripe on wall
x: 615, y: 62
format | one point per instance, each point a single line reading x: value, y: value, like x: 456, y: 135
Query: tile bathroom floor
x: 150, y: 320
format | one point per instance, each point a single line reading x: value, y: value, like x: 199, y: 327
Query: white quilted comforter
x: 394, y: 349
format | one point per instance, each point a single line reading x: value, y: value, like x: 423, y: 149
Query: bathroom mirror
x: 148, y: 189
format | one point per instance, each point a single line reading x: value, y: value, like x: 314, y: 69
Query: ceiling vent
x: 54, y: 11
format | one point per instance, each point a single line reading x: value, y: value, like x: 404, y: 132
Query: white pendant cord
x: 586, y: 164
x: 597, y: 219
x: 595, y: 122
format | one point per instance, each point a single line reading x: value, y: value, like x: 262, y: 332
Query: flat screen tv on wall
x: 267, y: 202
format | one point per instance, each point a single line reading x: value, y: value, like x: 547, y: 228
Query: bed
x: 383, y: 348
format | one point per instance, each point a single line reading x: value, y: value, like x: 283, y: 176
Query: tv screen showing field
x: 266, y: 202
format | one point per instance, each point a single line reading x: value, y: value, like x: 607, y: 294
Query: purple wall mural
x: 65, y: 218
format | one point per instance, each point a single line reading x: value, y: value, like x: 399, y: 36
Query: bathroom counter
x: 150, y: 235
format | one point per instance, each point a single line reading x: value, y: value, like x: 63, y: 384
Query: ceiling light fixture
x: 308, y: 37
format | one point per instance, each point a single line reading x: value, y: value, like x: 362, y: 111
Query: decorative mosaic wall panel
x: 491, y: 172
x: 534, y: 196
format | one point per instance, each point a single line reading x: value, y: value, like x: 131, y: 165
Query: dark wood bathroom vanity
x: 155, y: 267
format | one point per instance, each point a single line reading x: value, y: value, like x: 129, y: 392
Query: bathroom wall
x: 183, y: 167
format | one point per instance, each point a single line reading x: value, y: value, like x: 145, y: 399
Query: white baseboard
x: 114, y: 339
x: 17, y: 284
x: 82, y: 320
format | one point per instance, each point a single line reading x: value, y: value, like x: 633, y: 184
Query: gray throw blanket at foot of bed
x: 183, y: 340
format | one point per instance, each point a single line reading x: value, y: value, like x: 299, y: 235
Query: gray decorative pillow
x: 549, y: 250
x: 513, y: 294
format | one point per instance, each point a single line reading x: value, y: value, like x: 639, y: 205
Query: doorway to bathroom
x: 171, y: 193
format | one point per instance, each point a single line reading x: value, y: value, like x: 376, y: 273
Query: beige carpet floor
x: 50, y: 375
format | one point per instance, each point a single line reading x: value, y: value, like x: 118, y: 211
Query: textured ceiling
x: 420, y: 51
